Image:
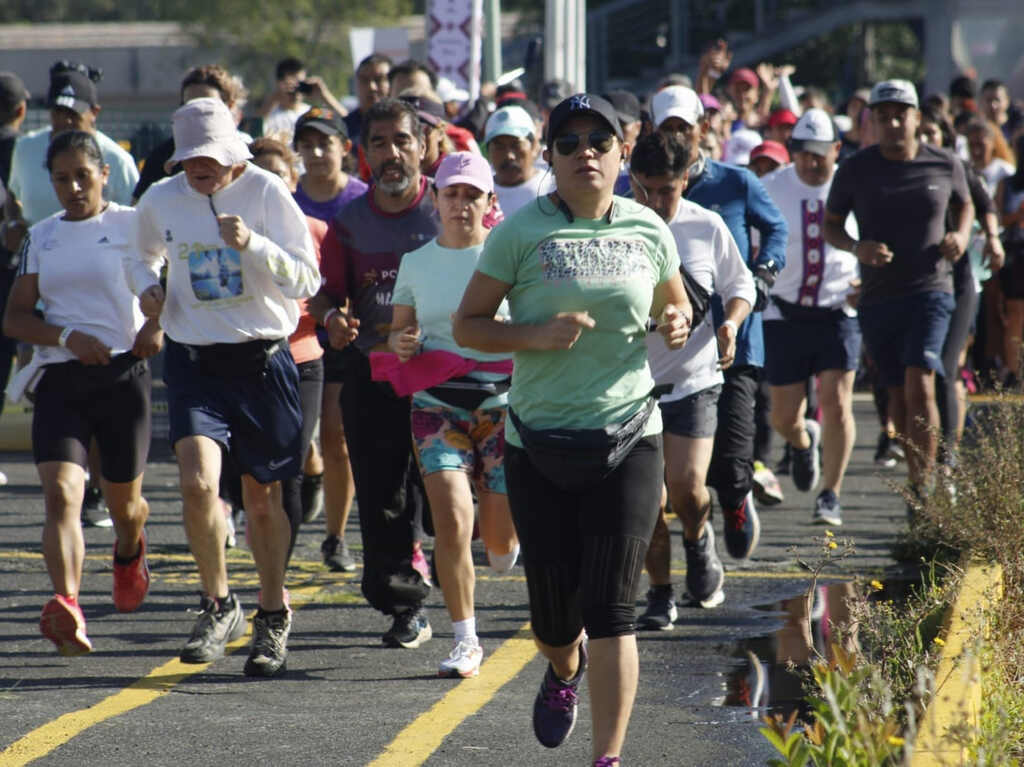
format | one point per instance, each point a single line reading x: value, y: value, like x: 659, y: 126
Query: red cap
x: 773, y: 150
x: 745, y: 75
x: 781, y: 117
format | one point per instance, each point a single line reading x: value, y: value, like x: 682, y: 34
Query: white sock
x: 465, y: 631
x: 503, y: 563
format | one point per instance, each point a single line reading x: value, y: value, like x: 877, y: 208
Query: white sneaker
x: 463, y: 661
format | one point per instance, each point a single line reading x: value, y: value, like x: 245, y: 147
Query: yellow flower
x: 829, y: 534
x: 833, y: 545
x: 895, y: 741
x: 939, y: 642
x: 877, y: 585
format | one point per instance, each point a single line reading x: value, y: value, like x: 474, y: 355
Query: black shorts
x: 695, y: 416
x: 336, y: 362
x: 795, y: 350
x: 75, y: 403
x: 257, y: 417
x: 1011, y: 276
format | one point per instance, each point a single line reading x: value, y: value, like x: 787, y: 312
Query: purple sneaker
x: 554, y: 710
x: 608, y: 761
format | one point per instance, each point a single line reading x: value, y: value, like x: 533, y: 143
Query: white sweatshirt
x: 214, y: 293
x: 708, y: 252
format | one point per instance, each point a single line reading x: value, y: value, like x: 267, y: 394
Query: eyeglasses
x: 601, y: 140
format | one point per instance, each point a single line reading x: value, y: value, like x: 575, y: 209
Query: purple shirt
x: 326, y: 211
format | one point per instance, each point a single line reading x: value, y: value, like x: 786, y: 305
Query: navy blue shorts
x: 257, y: 418
x: 908, y: 331
x: 795, y: 350
x: 695, y: 416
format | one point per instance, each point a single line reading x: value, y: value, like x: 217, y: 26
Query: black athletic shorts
x: 111, y: 403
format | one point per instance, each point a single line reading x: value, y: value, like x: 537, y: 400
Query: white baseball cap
x: 898, y: 91
x: 814, y: 132
x: 676, y: 101
x: 205, y: 128
x: 509, y: 121
x: 449, y: 91
x: 739, y: 146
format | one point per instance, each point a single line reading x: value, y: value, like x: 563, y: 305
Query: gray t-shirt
x: 904, y: 205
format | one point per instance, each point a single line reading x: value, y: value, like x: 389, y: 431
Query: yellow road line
x: 157, y: 683
x: 414, y: 745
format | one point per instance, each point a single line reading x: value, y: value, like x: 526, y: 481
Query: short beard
x: 394, y: 188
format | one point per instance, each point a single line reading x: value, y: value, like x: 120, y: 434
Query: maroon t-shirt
x: 361, y: 253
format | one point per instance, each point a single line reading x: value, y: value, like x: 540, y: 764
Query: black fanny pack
x: 576, y: 458
x: 468, y: 393
x: 242, y: 360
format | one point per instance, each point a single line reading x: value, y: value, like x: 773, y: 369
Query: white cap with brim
x: 205, y: 128
x: 894, y: 91
x: 676, y: 101
x: 814, y: 132
x: 739, y: 146
x: 509, y: 121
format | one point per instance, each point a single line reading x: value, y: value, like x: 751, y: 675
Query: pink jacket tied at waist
x: 428, y: 369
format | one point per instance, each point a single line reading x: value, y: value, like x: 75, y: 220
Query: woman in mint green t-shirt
x: 458, y: 428
x: 582, y: 271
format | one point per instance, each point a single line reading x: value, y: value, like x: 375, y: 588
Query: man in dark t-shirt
x: 359, y: 262
x: 901, y: 191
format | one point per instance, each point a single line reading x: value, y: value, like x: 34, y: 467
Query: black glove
x: 764, y: 280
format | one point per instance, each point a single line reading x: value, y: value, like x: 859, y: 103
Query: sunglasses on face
x: 600, y: 140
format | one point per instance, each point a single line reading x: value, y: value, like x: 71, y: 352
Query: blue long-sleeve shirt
x: 738, y: 197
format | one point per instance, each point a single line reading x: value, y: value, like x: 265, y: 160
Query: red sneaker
x: 131, y: 581
x: 63, y: 623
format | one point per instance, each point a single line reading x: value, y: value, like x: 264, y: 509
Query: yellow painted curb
x: 958, y: 678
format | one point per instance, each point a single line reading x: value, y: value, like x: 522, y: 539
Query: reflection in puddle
x: 770, y: 670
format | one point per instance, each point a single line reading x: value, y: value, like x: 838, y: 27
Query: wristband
x: 731, y: 324
x: 62, y: 339
x: 328, y: 314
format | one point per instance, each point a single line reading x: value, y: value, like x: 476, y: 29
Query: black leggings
x: 732, y: 461
x: 311, y: 390
x: 583, y: 552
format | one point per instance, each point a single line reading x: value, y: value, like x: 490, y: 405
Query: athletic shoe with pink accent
x: 131, y: 579
x: 63, y: 623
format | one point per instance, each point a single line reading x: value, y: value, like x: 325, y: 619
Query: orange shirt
x: 303, y: 342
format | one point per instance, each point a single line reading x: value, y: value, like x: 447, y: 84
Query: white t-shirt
x: 709, y: 253
x: 81, y: 278
x: 512, y: 198
x: 283, y: 120
x: 216, y: 294
x: 816, y: 274
x: 995, y: 172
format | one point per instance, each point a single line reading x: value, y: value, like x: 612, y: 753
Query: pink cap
x: 782, y: 116
x: 464, y: 168
x: 745, y: 75
x: 710, y: 102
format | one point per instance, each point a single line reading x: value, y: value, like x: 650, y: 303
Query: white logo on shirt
x: 275, y: 465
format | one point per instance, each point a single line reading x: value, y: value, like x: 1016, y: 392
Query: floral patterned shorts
x: 455, y: 439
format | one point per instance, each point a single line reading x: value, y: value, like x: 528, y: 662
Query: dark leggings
x: 956, y: 339
x: 583, y: 552
x: 311, y: 390
x: 732, y: 466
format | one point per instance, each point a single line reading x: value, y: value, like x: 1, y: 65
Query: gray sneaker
x: 827, y: 510
x: 214, y: 628
x: 704, y: 572
x: 807, y: 463
x: 269, y: 651
x: 661, y: 612
x: 336, y: 555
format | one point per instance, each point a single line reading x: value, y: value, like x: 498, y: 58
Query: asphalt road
x: 345, y: 699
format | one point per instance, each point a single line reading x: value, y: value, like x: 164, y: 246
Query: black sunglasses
x: 600, y: 140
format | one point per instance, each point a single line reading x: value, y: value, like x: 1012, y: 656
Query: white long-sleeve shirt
x: 216, y: 294
x: 709, y: 253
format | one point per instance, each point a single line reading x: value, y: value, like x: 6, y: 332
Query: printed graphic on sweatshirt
x: 215, y: 274
x: 604, y: 260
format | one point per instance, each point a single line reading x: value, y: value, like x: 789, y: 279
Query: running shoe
x: 827, y: 510
x: 131, y: 579
x: 767, y: 489
x: 94, y: 510
x: 269, y: 653
x: 608, y: 761
x: 883, y: 458
x: 704, y: 572
x: 742, y: 528
x: 336, y: 555
x: 63, y: 623
x: 554, y: 708
x: 463, y: 661
x: 216, y: 625
x: 747, y: 685
x: 661, y: 612
x: 807, y: 462
x: 408, y: 630
x: 312, y: 496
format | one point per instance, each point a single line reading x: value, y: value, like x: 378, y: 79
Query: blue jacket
x: 738, y: 197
